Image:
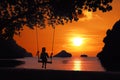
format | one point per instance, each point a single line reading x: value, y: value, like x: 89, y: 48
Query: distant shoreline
x: 38, y: 74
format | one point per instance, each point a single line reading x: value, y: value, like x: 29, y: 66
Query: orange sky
x: 91, y: 28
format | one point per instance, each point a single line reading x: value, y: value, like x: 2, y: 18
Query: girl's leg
x: 45, y: 65
x: 42, y: 64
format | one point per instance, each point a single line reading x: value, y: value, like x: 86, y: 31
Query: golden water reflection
x: 77, y: 65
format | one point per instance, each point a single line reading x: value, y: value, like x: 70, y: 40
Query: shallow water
x: 74, y: 63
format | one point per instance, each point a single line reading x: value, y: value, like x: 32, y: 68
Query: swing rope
x: 38, y: 43
x: 37, y: 46
x: 37, y: 39
x: 53, y: 41
x: 52, y: 44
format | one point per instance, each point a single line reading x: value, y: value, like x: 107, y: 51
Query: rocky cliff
x: 10, y: 49
x: 110, y: 54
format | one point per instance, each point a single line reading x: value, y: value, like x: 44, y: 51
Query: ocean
x: 73, y: 63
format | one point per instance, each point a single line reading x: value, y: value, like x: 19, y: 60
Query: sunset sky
x: 82, y: 37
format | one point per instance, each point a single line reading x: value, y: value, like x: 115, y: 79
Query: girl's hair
x: 43, y: 49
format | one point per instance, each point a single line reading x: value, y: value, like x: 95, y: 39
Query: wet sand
x: 42, y: 74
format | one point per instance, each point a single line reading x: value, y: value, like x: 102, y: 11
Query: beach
x: 47, y: 74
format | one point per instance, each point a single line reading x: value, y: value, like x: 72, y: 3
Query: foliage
x: 15, y: 14
x: 110, y: 54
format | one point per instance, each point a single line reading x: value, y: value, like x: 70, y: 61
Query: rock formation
x: 63, y: 53
x: 110, y: 54
x: 9, y: 49
x: 83, y: 55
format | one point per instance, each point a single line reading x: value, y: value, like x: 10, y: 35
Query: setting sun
x: 77, y: 41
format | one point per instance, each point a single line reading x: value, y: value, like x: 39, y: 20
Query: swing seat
x: 39, y: 60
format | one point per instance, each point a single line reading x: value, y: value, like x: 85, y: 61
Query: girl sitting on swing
x: 43, y: 57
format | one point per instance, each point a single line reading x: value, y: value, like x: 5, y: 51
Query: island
x: 63, y: 53
x: 83, y: 55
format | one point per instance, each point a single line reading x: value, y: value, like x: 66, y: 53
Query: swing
x: 48, y: 61
x: 39, y: 60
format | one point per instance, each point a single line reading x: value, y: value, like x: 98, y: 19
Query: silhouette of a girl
x: 43, y: 57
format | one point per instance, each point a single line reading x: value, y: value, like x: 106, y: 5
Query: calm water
x: 76, y: 64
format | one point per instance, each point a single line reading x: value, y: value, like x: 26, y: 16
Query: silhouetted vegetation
x: 110, y: 54
x: 15, y: 14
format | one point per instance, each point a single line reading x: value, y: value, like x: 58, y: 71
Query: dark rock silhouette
x: 9, y: 49
x: 83, y: 55
x: 63, y: 53
x: 110, y: 54
x: 10, y: 63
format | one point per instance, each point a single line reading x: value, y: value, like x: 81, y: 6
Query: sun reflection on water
x: 77, y: 65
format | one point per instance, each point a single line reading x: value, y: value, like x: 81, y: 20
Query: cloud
x: 86, y: 16
x: 98, y: 17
